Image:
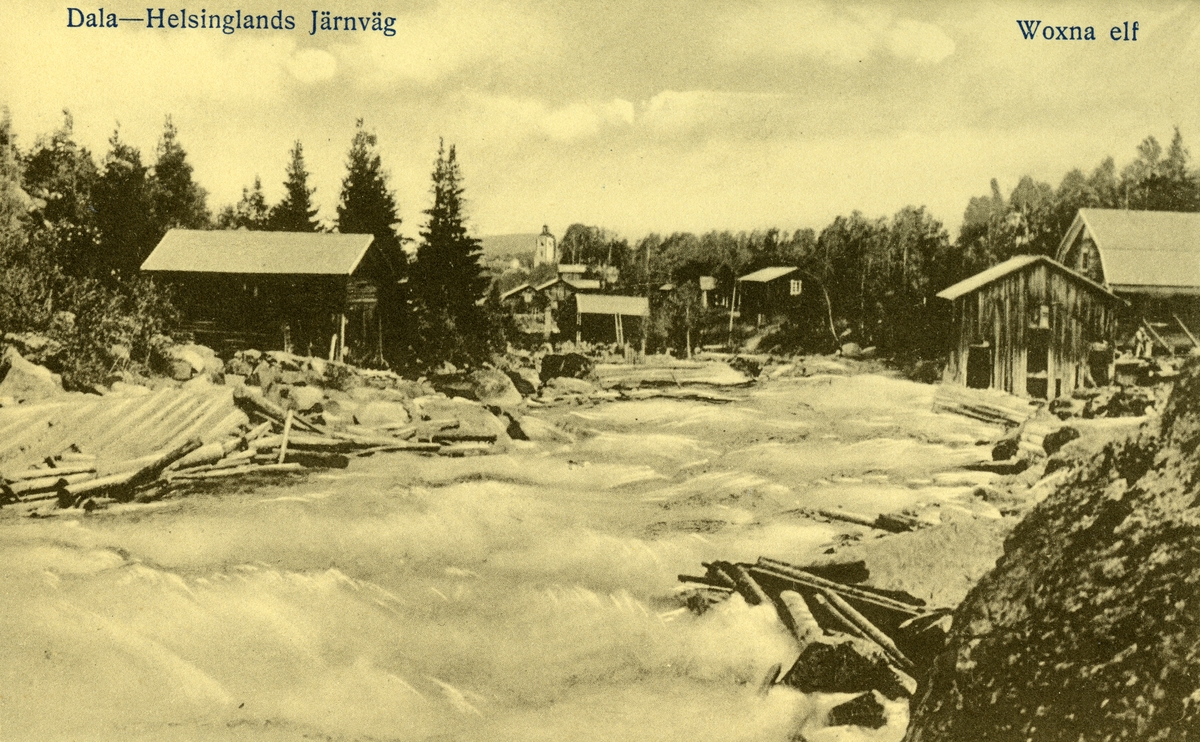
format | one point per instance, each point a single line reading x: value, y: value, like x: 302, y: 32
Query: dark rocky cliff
x: 1089, y: 626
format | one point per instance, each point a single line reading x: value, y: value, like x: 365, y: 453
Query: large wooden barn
x: 1031, y: 327
x: 1149, y: 258
x: 312, y: 294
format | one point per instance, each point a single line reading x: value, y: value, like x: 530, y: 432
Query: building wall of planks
x: 1039, y: 307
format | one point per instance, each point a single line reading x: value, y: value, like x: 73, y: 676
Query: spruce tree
x: 295, y: 213
x: 60, y: 175
x: 178, y: 200
x: 448, y: 280
x: 251, y: 211
x: 124, y: 209
x: 367, y: 206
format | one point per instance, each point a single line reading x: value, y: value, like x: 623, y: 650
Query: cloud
x: 816, y: 30
x: 509, y: 117
x: 312, y: 65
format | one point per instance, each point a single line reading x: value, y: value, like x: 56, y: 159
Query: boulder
x: 1059, y: 438
x: 181, y: 370
x: 263, y: 375
x: 846, y: 664
x: 526, y: 381
x: 851, y: 350
x: 305, y: 399
x: 25, y: 381
x: 570, y: 365
x: 494, y: 388
x: 379, y: 413
x: 567, y: 385
x: 238, y: 366
x: 862, y: 711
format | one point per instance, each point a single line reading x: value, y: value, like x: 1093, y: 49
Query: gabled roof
x: 768, y: 274
x: 572, y: 268
x: 579, y: 284
x: 1141, y: 248
x: 630, y: 306
x: 244, y: 251
x: 514, y: 291
x: 1012, y: 265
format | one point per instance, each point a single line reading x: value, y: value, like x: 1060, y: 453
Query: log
x: 252, y: 402
x: 1186, y: 331
x: 747, y: 585
x: 119, y: 486
x: 849, y: 517
x: 719, y: 576
x: 209, y: 453
x: 471, y: 448
x: 46, y: 484
x: 307, y: 442
x: 309, y: 459
x: 42, y: 473
x: 238, y: 470
x: 843, y: 624
x: 414, y: 447
x: 896, y: 522
x: 283, y: 438
x: 770, y: 568
x: 871, y: 630
x: 795, y: 614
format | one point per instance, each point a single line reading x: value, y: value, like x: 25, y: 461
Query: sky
x: 633, y: 115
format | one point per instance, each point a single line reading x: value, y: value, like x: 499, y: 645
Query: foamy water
x: 524, y: 596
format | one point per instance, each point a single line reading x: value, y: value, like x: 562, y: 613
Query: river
x: 521, y: 596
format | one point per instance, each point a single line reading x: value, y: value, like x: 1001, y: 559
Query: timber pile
x: 987, y: 405
x: 853, y: 638
x: 270, y: 441
x: 675, y: 373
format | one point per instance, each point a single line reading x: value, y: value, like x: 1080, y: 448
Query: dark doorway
x: 1037, y: 363
x: 979, y: 367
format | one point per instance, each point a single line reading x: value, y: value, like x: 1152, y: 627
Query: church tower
x: 547, y: 248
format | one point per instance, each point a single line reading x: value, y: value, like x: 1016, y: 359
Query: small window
x: 795, y: 287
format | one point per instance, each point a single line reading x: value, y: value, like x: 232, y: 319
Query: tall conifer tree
x: 295, y: 213
x: 124, y: 208
x: 367, y: 205
x: 178, y: 200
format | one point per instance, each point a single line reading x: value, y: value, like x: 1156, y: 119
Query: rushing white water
x: 523, y: 596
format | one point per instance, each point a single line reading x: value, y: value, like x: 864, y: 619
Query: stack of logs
x: 853, y: 638
x: 283, y: 442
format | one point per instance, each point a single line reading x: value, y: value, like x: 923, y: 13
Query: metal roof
x: 1142, y: 248
x: 245, y: 251
x: 632, y: 306
x: 1013, y: 264
x: 768, y: 274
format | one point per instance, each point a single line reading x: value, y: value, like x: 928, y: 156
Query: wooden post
x: 732, y: 304
x: 342, y: 338
x: 283, y: 441
x: 333, y: 346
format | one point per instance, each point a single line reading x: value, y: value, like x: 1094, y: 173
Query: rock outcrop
x: 1087, y: 627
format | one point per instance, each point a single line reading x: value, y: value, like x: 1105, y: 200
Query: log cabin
x: 768, y: 293
x: 1031, y: 327
x: 312, y: 294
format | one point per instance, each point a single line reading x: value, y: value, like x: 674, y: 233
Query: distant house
x: 519, y: 298
x: 1150, y: 258
x: 558, y: 290
x: 571, y: 271
x: 308, y: 293
x: 604, y: 318
x: 1031, y: 327
x: 769, y: 292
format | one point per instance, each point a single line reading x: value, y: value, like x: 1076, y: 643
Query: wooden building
x: 1031, y: 327
x: 1149, y: 258
x: 313, y: 294
x: 605, y: 318
x: 768, y: 293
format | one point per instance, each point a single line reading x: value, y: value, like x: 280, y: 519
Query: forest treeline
x: 75, y: 227
x: 881, y: 274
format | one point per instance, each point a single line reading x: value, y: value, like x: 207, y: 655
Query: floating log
x: 844, y: 624
x: 782, y: 571
x: 719, y: 575
x: 871, y: 630
x: 413, y: 446
x: 747, y: 585
x: 470, y: 448
x: 847, y: 516
x: 795, y: 614
x: 45, y: 484
x: 238, y: 470
x: 209, y: 453
x: 308, y: 442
